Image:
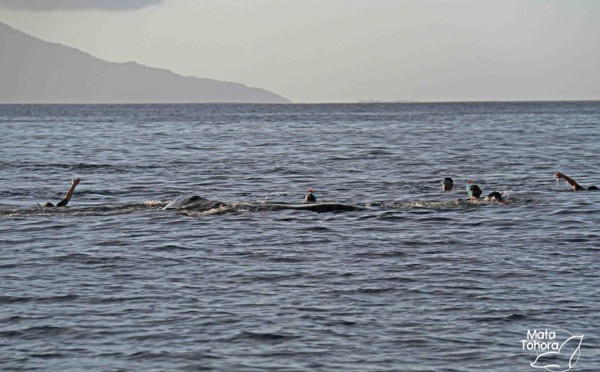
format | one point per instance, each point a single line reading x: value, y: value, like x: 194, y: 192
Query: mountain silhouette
x: 36, y: 71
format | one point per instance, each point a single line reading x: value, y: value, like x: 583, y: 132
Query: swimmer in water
x: 310, y: 197
x: 447, y: 184
x: 571, y: 182
x: 494, y: 196
x: 473, y: 190
x: 68, y: 195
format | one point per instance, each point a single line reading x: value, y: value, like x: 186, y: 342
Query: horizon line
x: 360, y: 102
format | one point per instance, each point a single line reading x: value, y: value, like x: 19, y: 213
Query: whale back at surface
x: 317, y: 207
x: 199, y: 203
x: 193, y: 202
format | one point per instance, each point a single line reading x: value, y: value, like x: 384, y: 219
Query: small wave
x: 171, y: 247
x: 502, y: 318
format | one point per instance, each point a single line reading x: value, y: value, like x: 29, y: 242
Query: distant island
x: 36, y: 71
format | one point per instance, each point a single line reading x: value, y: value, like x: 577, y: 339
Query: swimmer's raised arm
x: 570, y: 181
x: 74, y: 183
x: 68, y: 195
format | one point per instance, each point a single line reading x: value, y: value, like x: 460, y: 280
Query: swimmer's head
x: 447, y: 184
x: 48, y: 204
x: 473, y: 190
x: 310, y: 197
x: 592, y: 188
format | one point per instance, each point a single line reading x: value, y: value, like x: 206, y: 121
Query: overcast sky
x: 343, y: 50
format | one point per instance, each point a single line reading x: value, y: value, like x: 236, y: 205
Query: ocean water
x: 411, y: 279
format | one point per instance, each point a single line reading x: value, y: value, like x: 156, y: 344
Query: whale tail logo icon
x: 562, y: 360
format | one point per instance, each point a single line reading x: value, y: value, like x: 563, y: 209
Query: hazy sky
x: 342, y: 50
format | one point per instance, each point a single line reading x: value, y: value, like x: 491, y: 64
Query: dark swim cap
x: 592, y: 188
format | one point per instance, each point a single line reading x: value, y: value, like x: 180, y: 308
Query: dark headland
x: 36, y: 71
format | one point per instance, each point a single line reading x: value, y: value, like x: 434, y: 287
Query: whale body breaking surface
x: 201, y: 204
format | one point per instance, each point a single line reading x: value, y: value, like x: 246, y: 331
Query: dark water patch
x: 171, y: 248
x: 125, y: 300
x: 112, y: 243
x: 41, y: 332
x: 258, y: 277
x: 11, y: 334
x: 88, y: 259
x: 50, y: 299
x: 149, y: 356
x: 396, y: 279
x: 266, y: 337
x: 501, y: 318
x: 391, y: 216
x: 288, y: 259
x: 47, y: 356
x: 153, y: 336
x: 18, y: 318
x: 380, y: 253
x: 376, y: 290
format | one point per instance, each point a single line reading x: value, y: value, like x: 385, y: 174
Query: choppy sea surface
x: 411, y: 278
